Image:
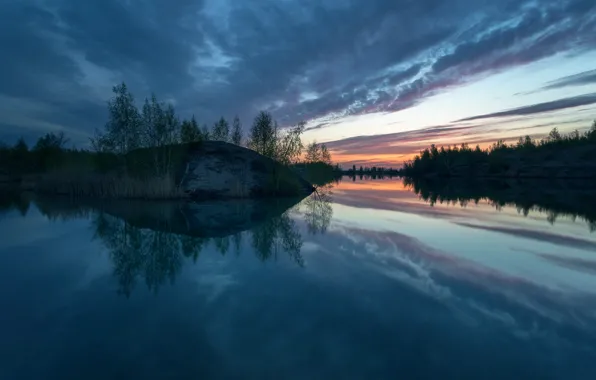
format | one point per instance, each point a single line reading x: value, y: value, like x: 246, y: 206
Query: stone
x: 220, y: 170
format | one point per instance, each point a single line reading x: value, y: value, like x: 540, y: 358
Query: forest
x: 555, y: 156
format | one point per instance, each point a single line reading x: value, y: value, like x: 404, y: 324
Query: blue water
x: 367, y: 282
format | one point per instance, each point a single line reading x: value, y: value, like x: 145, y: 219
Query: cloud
x: 476, y: 290
x: 301, y: 60
x: 565, y: 241
x: 586, y: 77
x: 559, y: 104
x: 393, y: 148
x: 581, y: 265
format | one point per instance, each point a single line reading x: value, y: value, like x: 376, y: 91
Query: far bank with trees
x: 554, y: 156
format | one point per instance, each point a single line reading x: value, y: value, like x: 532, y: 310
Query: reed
x: 99, y: 185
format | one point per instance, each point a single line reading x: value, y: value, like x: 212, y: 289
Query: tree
x: 555, y: 135
x: 189, y: 131
x: 592, y: 132
x: 205, y: 132
x: 159, y: 124
x: 122, y: 131
x: 318, y: 153
x: 325, y: 155
x: 263, y: 134
x: 289, y: 144
x: 172, y: 126
x: 16, y: 157
x: 313, y: 154
x: 236, y: 132
x: 221, y: 130
x: 21, y: 148
x: 160, y: 129
x: 50, y: 141
x: 49, y: 150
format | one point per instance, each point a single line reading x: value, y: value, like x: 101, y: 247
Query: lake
x: 367, y: 279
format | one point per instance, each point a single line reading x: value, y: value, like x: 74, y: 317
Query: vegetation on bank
x: 570, y: 156
x: 138, y: 151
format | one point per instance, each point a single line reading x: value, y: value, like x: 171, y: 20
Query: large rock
x: 215, y: 169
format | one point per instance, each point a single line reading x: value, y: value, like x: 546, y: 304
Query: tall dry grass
x: 99, y: 185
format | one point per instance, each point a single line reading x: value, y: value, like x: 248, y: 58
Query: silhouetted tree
x: 122, y: 132
x: 263, y: 135
x: 221, y: 130
x: 503, y: 159
x: 189, y: 131
x: 236, y: 132
x: 206, y: 133
x: 288, y: 144
x: 554, y: 135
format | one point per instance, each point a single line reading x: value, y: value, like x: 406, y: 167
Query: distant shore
x: 556, y: 156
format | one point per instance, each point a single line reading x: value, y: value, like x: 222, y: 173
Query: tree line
x: 371, y: 172
x: 527, y: 156
x: 156, y: 128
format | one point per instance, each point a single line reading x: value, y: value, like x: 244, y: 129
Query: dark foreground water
x: 369, y: 282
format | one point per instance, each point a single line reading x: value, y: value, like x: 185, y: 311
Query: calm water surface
x: 367, y: 280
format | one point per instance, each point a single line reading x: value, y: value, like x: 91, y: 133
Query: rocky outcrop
x: 199, y: 171
x: 219, y: 170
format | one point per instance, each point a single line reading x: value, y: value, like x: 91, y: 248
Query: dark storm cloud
x: 530, y: 34
x: 299, y: 59
x: 559, y: 104
x: 66, y: 55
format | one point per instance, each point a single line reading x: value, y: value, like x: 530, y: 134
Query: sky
x: 375, y: 80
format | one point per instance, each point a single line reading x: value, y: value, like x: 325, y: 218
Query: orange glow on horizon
x: 394, y: 160
x: 373, y: 185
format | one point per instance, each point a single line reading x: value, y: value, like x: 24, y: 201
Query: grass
x: 98, y: 185
x: 146, y: 173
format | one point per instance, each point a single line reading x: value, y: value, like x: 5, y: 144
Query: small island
x: 151, y: 154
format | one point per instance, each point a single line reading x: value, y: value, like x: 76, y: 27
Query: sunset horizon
x: 375, y: 82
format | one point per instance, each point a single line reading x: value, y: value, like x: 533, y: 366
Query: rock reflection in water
x: 150, y: 241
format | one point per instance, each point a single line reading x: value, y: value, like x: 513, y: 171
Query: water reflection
x: 390, y: 278
x: 318, y: 211
x: 151, y: 240
x: 573, y: 199
x: 11, y: 200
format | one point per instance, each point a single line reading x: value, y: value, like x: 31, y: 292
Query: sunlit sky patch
x: 379, y: 71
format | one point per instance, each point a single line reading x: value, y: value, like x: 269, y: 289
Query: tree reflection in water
x: 11, y: 199
x: 318, y: 211
x: 151, y: 240
x: 566, y: 198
